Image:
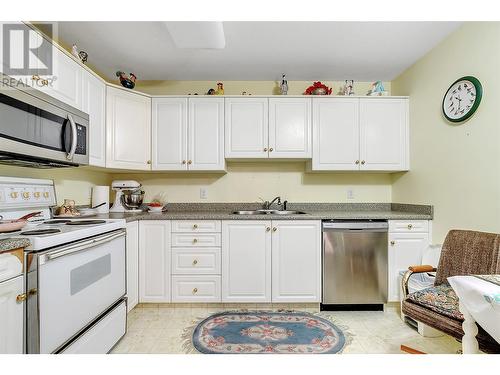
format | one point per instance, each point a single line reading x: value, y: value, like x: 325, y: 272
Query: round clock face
x: 462, y: 99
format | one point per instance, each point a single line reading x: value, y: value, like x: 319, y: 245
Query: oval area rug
x: 267, y: 332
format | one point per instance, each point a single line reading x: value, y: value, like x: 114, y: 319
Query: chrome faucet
x: 267, y: 205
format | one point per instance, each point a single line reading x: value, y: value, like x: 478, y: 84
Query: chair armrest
x: 411, y: 270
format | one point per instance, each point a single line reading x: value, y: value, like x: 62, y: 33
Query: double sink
x: 268, y: 212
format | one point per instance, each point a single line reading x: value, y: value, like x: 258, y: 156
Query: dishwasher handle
x: 370, y: 226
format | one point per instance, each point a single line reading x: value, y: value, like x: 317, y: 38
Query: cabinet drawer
x: 408, y: 225
x: 196, y: 226
x: 196, y: 289
x: 196, y: 240
x: 196, y: 260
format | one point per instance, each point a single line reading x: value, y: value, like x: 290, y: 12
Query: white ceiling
x: 363, y: 51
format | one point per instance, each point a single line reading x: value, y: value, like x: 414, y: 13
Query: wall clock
x: 462, y: 99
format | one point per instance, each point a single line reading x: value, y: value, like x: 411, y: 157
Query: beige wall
x: 71, y: 183
x: 454, y: 167
x: 246, y: 182
x: 237, y: 87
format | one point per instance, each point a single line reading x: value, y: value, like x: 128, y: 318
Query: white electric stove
x: 75, y: 276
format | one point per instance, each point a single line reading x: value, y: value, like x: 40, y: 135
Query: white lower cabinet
x: 296, y: 261
x: 11, y: 316
x: 406, y: 246
x: 132, y: 264
x: 246, y: 261
x: 154, y: 261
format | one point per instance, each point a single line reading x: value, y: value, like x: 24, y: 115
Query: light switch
x: 203, y: 193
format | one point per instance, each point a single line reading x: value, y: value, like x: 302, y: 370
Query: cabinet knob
x: 21, y: 298
x: 268, y: 229
x: 183, y: 162
x: 265, y: 149
x: 195, y: 240
x: 195, y: 226
x: 46, y: 194
x: 271, y: 149
x: 13, y: 194
x: 45, y: 82
x: 195, y: 290
x: 36, y: 194
x: 190, y: 162
x: 275, y: 229
x: 26, y: 195
x: 362, y: 162
x: 356, y: 162
x: 393, y: 243
x: 148, y: 162
x: 410, y: 226
x: 195, y: 262
x: 35, y: 77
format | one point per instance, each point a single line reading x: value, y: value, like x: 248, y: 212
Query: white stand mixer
x: 121, y: 186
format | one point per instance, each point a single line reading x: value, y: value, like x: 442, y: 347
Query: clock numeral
x: 459, y: 87
x: 454, y: 91
x: 465, y: 85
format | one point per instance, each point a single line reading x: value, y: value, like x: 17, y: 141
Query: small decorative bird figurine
x: 283, y: 85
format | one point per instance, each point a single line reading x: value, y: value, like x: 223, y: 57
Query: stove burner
x: 39, y: 232
x: 86, y: 222
x: 57, y: 221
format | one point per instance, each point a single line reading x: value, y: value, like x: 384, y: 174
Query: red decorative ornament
x: 318, y: 88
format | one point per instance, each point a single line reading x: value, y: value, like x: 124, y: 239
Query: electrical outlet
x: 203, y: 193
x: 350, y: 193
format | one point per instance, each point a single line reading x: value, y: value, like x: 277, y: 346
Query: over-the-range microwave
x: 39, y: 131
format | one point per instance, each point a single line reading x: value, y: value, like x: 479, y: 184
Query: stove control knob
x: 26, y: 195
x: 13, y: 194
x: 36, y: 194
x: 46, y: 194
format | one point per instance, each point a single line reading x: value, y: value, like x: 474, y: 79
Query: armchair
x: 463, y: 253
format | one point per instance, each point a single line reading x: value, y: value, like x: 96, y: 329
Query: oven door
x: 76, y: 284
x: 35, y: 125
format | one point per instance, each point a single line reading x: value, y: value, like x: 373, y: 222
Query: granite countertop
x: 7, y: 244
x: 314, y: 211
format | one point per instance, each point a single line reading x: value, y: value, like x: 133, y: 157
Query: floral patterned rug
x: 265, y: 332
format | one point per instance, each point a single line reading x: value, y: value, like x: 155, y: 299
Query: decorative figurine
x: 211, y: 92
x: 220, y: 89
x: 127, y: 82
x: 283, y: 85
x: 318, y: 88
x: 74, y: 50
x: 348, y: 87
x: 83, y: 56
x: 377, y: 89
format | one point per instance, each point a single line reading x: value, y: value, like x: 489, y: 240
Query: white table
x: 479, y: 301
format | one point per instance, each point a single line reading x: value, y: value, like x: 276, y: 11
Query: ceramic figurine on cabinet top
x: 318, y: 88
x: 211, y: 92
x: 127, y: 82
x: 220, y: 88
x: 348, y: 87
x: 74, y: 50
x: 377, y: 89
x: 283, y: 85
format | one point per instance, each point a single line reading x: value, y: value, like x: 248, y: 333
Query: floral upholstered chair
x: 464, y: 253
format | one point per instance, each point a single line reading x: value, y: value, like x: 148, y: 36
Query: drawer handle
x: 393, y: 243
x: 195, y: 240
x: 195, y: 262
x: 268, y: 229
x: 195, y: 290
x: 275, y: 229
x: 195, y: 226
x: 363, y: 162
x: 410, y: 226
x: 21, y: 298
x: 271, y: 149
x: 265, y: 149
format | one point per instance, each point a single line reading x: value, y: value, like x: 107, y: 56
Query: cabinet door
x: 128, y: 125
x: 290, y: 128
x: 12, y: 318
x: 94, y: 103
x: 154, y: 261
x: 246, y: 127
x: 169, y: 129
x: 246, y: 261
x: 206, y: 134
x: 405, y: 249
x: 383, y: 134
x: 335, y: 134
x: 296, y: 261
x: 132, y: 264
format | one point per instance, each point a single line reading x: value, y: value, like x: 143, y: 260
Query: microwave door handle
x: 74, y: 138
x: 68, y: 250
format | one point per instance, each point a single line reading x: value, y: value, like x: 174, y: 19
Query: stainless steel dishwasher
x: 354, y: 264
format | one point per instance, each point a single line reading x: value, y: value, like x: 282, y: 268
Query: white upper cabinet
x: 169, y: 130
x: 128, y: 125
x: 290, y: 128
x: 246, y: 261
x: 296, y: 261
x: 206, y: 134
x: 94, y: 103
x: 335, y: 134
x: 246, y: 127
x: 384, y: 134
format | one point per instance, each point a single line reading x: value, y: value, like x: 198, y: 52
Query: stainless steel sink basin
x: 268, y: 212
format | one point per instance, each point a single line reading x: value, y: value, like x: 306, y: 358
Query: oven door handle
x: 74, y: 138
x: 84, y: 245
